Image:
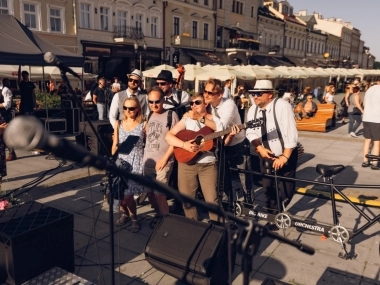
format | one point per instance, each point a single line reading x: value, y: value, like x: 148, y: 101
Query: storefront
x: 113, y: 60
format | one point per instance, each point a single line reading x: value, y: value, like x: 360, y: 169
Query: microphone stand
x: 108, y: 173
x: 250, y: 236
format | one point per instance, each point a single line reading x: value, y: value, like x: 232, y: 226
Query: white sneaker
x: 352, y: 134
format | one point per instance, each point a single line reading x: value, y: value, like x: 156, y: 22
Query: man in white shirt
x: 371, y: 125
x: 225, y: 114
x: 275, y: 142
x: 5, y: 109
x: 116, y: 109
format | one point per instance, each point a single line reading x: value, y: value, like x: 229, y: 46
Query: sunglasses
x: 161, y: 83
x: 196, y: 102
x: 209, y: 93
x: 135, y: 81
x: 129, y: 108
x: 154, y: 102
x: 309, y: 98
x: 257, y: 94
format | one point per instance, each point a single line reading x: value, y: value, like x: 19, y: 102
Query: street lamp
x: 248, y: 54
x: 139, y: 51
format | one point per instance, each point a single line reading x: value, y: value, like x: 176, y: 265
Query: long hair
x: 139, y: 115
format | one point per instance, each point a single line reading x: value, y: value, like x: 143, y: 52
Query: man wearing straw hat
x: 134, y: 82
x: 275, y: 141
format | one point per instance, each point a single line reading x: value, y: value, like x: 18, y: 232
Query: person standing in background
x: 227, y: 91
x: 27, y: 91
x: 99, y: 97
x: 5, y: 110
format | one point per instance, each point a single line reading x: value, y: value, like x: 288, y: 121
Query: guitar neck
x: 222, y: 133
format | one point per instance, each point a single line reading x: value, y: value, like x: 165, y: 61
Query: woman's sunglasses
x: 196, y: 102
x: 129, y: 108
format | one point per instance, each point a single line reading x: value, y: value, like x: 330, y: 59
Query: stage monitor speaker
x: 34, y: 238
x: 88, y: 139
x: 72, y: 119
x: 189, y: 250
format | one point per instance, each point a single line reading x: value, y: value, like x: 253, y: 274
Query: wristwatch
x: 202, y: 120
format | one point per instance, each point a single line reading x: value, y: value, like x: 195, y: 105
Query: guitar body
x: 185, y: 156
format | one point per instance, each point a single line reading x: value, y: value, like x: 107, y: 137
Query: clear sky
x: 363, y: 15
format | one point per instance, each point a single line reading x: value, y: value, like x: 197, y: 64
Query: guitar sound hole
x: 198, y: 140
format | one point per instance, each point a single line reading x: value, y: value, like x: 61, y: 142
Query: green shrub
x: 47, y: 100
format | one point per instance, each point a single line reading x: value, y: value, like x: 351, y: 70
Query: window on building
x: 4, y: 7
x: 290, y: 11
x: 153, y: 27
x: 139, y: 21
x: 85, y: 16
x: 176, y: 26
x: 285, y: 9
x: 294, y: 43
x: 303, y: 45
x: 286, y: 41
x: 55, y: 20
x: 315, y: 47
x: 220, y: 4
x: 237, y: 7
x: 30, y: 15
x: 205, y: 31
x: 195, y: 30
x: 252, y: 11
x: 206, y: 2
x: 104, y: 18
x: 122, y: 17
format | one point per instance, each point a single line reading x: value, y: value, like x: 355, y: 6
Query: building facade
x: 189, y: 32
x: 53, y: 20
x: 119, y: 36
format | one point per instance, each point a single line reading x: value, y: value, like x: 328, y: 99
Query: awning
x: 204, y: 56
x: 300, y: 62
x: 211, y: 57
x: 269, y: 60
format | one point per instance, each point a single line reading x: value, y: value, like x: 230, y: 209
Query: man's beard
x: 133, y: 87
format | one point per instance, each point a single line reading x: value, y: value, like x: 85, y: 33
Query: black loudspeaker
x: 88, y: 67
x: 189, y: 250
x: 88, y: 139
x: 34, y: 238
x: 72, y: 120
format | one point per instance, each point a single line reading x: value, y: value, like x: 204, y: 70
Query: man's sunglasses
x: 161, y: 83
x: 209, y: 93
x: 258, y: 94
x: 129, y: 108
x: 135, y: 81
x: 196, y: 102
x: 154, y: 102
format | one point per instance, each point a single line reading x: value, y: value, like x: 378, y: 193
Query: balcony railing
x: 129, y: 32
x: 270, y: 49
x: 244, y: 44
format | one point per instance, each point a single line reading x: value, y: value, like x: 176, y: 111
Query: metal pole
x: 140, y: 61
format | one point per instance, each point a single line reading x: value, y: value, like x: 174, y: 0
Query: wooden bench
x: 322, y: 120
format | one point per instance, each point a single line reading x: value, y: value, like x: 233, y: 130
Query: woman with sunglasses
x: 205, y: 168
x: 132, y: 124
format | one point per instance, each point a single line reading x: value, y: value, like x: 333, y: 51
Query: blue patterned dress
x: 134, y: 158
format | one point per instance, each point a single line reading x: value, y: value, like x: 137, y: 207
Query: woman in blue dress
x: 132, y: 124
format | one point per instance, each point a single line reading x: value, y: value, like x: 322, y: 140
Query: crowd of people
x: 169, y: 111
x: 151, y: 120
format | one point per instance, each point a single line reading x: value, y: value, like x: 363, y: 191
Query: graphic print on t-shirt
x: 155, y: 132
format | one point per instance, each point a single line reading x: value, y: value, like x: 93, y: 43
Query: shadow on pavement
x: 336, y: 276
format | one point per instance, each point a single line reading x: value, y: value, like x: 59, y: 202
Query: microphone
x: 27, y: 132
x: 52, y: 59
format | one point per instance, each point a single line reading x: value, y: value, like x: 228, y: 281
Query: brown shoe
x: 11, y: 156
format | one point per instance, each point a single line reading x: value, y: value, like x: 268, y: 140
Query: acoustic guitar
x: 204, y: 138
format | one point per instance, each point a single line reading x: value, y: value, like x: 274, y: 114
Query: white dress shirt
x: 227, y: 93
x: 286, y: 123
x: 225, y: 115
x: 7, y: 94
x: 185, y: 97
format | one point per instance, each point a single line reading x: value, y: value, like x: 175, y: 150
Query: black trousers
x: 286, y: 188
